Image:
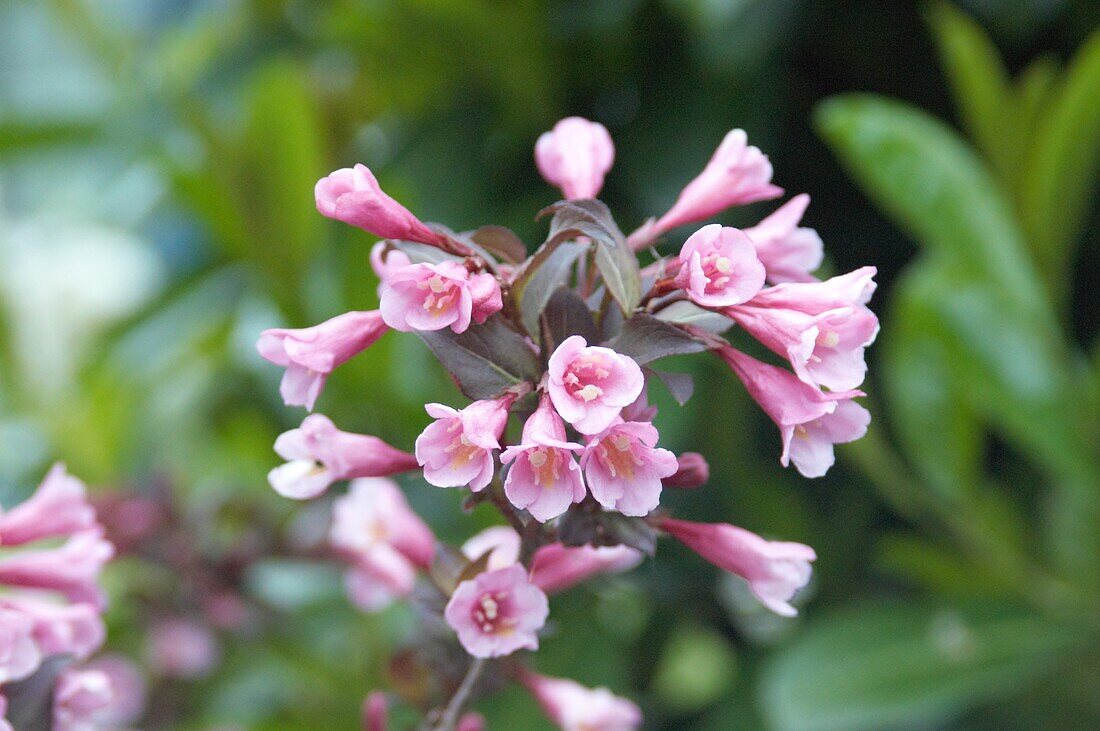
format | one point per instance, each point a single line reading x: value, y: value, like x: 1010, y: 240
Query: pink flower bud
x: 544, y: 477
x: 375, y: 512
x: 775, y: 570
x: 590, y: 385
x: 375, y: 711
x: 498, y: 612
x: 501, y: 542
x: 434, y: 296
x: 737, y: 174
x: 788, y: 252
x: 318, y: 454
x: 555, y: 567
x: 57, y: 508
x: 471, y: 722
x: 181, y: 648
x: 574, y: 707
x: 352, y: 195
x: 624, y: 468
x: 692, y: 471
x: 311, y: 354
x: 59, y: 628
x: 575, y: 156
x: 457, y: 449
x: 128, y: 692
x: 78, y: 697
x: 810, y: 421
x: 19, y: 653
x: 719, y: 267
x: 71, y: 569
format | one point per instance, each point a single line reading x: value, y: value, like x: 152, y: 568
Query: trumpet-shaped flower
x: 624, y: 467
x: 434, y: 296
x: 544, y: 477
x: 589, y: 385
x: 573, y: 707
x: 352, y: 195
x: 719, y: 267
x: 57, y: 508
x: 374, y: 512
x: 555, y: 567
x: 498, y: 612
x: 789, y: 252
x: 457, y: 448
x: 575, y: 156
x: 72, y: 569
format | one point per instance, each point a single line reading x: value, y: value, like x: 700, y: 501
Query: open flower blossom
x: 352, y: 195
x: 555, y: 568
x: 692, y: 471
x: 575, y: 156
x: 810, y: 421
x: 57, y: 508
x: 624, y: 467
x: 318, y: 454
x: 72, y: 569
x: 457, y: 448
x: 57, y: 627
x: 737, y: 174
x: 385, y: 542
x: 589, y: 385
x: 788, y: 251
x: 310, y: 354
x: 20, y: 655
x: 573, y: 707
x: 544, y: 477
x: 434, y: 296
x: 719, y: 267
x: 498, y: 612
x: 775, y: 570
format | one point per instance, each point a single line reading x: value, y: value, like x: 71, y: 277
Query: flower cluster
x: 562, y: 342
x: 51, y: 608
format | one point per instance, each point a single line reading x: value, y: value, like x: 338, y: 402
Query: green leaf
x: 645, y: 338
x: 1060, y: 173
x: 697, y: 667
x: 545, y: 273
x: 881, y: 666
x: 485, y: 359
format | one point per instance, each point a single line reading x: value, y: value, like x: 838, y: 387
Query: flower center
x: 718, y: 270
x: 828, y: 338
x: 491, y: 614
x: 461, y: 449
x: 616, y: 453
x: 546, y: 464
x: 440, y: 294
x: 584, y: 374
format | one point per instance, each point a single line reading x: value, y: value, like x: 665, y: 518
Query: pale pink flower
x: 498, y: 612
x: 692, y: 471
x: 500, y: 542
x: 624, y: 467
x: 718, y: 267
x: 71, y: 569
x: 78, y: 697
x: 59, y: 628
x: 788, y: 251
x: 19, y: 653
x: 318, y: 454
x: 544, y: 477
x: 457, y: 448
x: 375, y: 711
x: 590, y: 385
x: 775, y: 570
x: 57, y: 508
x: 352, y: 195
x: 555, y: 567
x: 128, y: 691
x: 810, y: 421
x: 471, y: 721
x: 311, y: 354
x: 374, y: 512
x: 847, y: 290
x: 385, y: 262
x: 377, y: 579
x: 575, y: 156
x: 181, y: 648
x: 573, y: 707
x: 434, y: 296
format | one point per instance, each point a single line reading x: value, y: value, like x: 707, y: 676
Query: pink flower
x: 375, y: 711
x: 498, y: 612
x: 374, y: 513
x: 544, y: 477
x: 318, y: 454
x: 501, y: 542
x: 57, y: 508
x: 555, y: 567
x: 385, y: 262
x: 575, y: 156
x: 352, y: 195
x: 719, y: 267
x: 379, y: 578
x: 19, y: 653
x: 692, y: 470
x: 847, y: 290
x: 810, y: 421
x: 71, y: 569
x: 590, y: 385
x: 78, y: 697
x: 59, y: 628
x: 574, y: 707
x: 788, y: 252
x: 181, y: 648
x: 434, y: 296
x: 471, y: 721
x: 128, y: 691
x: 775, y: 570
x: 624, y: 468
x: 311, y: 354
x: 457, y: 449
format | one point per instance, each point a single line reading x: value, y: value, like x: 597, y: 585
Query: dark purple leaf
x: 486, y: 359
x: 645, y: 338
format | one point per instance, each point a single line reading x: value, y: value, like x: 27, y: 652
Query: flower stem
x: 448, y: 718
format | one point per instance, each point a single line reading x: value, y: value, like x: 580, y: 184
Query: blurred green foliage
x: 156, y: 165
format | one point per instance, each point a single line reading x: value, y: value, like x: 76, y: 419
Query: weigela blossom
x: 575, y: 156
x: 434, y: 296
x: 20, y: 655
x: 384, y: 260
x: 573, y: 707
x: 457, y: 448
x: 544, y: 477
x: 555, y: 568
x: 57, y: 508
x: 59, y: 628
x: 846, y: 290
x: 79, y: 696
x: 590, y: 385
x: 775, y: 570
x: 624, y: 467
x: 789, y: 252
x: 719, y: 267
x: 318, y: 454
x: 498, y: 612
x: 500, y: 542
x: 352, y: 195
x: 810, y: 421
x: 311, y: 354
x: 692, y: 471
x: 72, y: 569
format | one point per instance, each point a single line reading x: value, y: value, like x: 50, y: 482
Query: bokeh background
x: 157, y: 159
